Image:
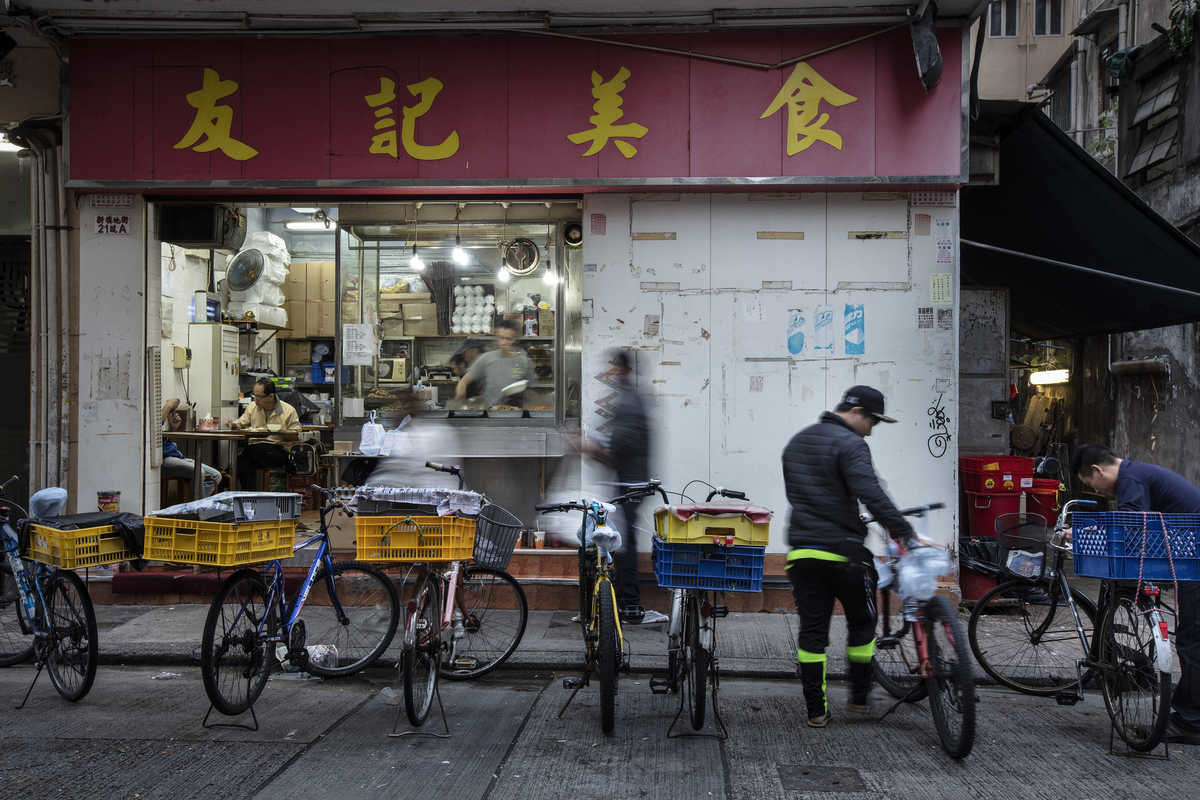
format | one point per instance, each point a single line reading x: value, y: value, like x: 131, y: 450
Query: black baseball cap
x: 868, y: 399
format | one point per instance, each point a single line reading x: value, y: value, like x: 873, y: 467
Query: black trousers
x: 1186, y: 699
x: 257, y: 455
x: 816, y: 584
x: 629, y: 595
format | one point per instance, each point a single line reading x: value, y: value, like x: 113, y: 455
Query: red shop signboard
x: 445, y: 111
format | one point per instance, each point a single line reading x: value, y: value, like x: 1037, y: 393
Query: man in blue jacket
x: 1148, y: 487
x: 827, y: 471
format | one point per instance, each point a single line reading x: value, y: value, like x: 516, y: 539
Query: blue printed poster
x: 855, y: 321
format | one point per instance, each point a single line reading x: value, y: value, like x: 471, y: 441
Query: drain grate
x: 814, y: 778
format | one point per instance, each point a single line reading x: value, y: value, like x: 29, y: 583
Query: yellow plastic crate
x: 86, y: 547
x: 701, y: 529
x: 409, y: 539
x: 217, y: 544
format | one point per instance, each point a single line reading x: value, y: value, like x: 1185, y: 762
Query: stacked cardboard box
x: 407, y: 314
x: 311, y: 292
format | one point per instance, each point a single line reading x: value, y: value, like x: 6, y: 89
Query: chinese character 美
x: 384, y: 143
x: 803, y: 93
x: 213, y: 122
x: 608, y: 111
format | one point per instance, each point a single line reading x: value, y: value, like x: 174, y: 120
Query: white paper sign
x: 358, y: 345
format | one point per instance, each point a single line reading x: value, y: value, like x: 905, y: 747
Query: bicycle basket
x: 1022, y: 539
x: 496, y: 534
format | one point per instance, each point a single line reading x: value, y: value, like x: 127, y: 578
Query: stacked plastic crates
x: 1126, y: 545
x: 711, y: 547
x: 226, y: 530
x: 77, y: 541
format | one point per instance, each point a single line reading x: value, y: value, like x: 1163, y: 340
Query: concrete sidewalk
x: 751, y: 645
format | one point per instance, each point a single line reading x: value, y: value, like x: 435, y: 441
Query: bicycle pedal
x: 1067, y: 698
x: 660, y: 685
x: 572, y: 683
x: 720, y: 612
x: 464, y: 662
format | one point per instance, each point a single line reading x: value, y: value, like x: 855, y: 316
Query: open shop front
x: 1044, y: 283
x: 748, y: 305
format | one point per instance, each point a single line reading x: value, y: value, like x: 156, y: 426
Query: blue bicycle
x: 350, y: 608
x: 49, y: 604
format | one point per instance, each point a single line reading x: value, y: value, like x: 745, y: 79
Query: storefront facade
x: 766, y: 221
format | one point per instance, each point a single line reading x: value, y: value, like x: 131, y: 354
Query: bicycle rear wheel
x: 951, y: 685
x: 422, y: 649
x: 363, y: 627
x: 16, y: 645
x: 1137, y: 694
x: 1023, y: 635
x: 71, y: 619
x: 608, y: 654
x: 234, y: 658
x: 896, y: 664
x: 695, y: 660
x: 494, y: 612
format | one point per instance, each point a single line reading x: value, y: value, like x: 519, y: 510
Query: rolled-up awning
x: 1078, y: 250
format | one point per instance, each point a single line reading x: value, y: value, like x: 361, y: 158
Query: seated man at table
x: 271, y: 423
x: 174, y: 465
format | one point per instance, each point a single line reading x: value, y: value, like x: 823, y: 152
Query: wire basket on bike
x: 496, y: 535
x: 1022, y: 539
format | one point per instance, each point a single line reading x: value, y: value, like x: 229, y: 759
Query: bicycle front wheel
x: 16, y: 645
x: 494, y: 611
x: 897, y: 667
x: 422, y: 650
x: 71, y: 620
x: 355, y: 610
x: 235, y: 660
x: 608, y: 654
x: 695, y: 660
x: 1023, y: 635
x: 1137, y: 694
x: 951, y: 685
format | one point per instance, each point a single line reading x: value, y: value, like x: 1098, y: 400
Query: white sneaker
x: 654, y: 618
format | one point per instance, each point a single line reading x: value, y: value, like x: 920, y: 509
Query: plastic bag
x: 372, y: 437
x: 604, y: 537
x: 920, y: 570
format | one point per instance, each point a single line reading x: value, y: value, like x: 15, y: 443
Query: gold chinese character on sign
x: 213, y: 122
x: 608, y: 111
x: 385, y: 143
x: 803, y: 93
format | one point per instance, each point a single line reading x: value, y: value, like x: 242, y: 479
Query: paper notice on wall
x: 945, y: 319
x: 925, y: 318
x: 823, y: 329
x: 358, y: 345
x: 941, y: 289
x: 943, y: 236
x: 353, y: 407
x: 599, y: 224
x: 795, y: 332
x: 855, y: 329
x: 651, y: 324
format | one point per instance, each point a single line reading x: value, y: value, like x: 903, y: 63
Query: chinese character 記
x: 802, y: 93
x: 384, y: 142
x: 608, y: 111
x: 213, y: 122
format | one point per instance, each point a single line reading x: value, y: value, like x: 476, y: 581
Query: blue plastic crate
x: 734, y: 568
x: 1110, y: 545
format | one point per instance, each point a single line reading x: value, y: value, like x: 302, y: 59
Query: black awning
x: 1055, y: 203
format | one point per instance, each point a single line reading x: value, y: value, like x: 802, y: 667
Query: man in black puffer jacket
x: 827, y: 471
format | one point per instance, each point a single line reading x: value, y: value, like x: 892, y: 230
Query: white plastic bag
x: 605, y: 537
x: 920, y: 569
x: 372, y: 437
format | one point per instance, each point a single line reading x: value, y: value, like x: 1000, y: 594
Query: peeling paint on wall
x: 111, y: 376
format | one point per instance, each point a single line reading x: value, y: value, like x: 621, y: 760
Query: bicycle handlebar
x: 453, y: 469
x: 915, y: 511
x: 731, y: 493
x: 4, y: 486
x: 553, y: 507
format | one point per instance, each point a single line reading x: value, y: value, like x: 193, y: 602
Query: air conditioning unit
x: 201, y: 225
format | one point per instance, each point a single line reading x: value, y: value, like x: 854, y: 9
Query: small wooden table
x: 193, y: 441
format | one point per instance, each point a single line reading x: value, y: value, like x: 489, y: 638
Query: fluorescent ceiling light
x: 308, y: 225
x: 1050, y: 376
x: 6, y: 146
x: 305, y: 210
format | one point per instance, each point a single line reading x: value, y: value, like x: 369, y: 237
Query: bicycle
x: 598, y: 619
x: 934, y: 662
x: 1036, y: 634
x: 51, y: 605
x: 482, y: 607
x: 354, y: 613
x: 692, y: 664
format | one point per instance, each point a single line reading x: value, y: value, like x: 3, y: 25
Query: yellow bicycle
x: 603, y: 640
